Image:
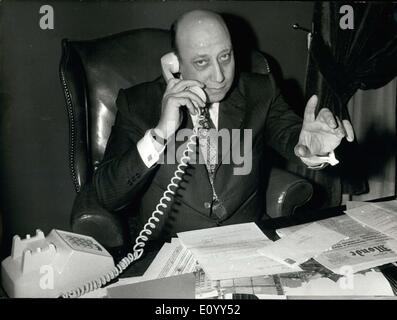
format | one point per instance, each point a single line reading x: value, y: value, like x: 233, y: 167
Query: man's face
x: 206, y: 55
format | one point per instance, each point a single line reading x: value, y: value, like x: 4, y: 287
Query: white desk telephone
x: 70, y: 265
x: 45, y: 267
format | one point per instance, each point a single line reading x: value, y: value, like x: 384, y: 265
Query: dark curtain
x: 340, y: 62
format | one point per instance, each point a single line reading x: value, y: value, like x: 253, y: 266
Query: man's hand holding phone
x: 177, y: 94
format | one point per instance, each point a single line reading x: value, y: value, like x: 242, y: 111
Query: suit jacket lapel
x: 232, y: 111
x: 231, y: 116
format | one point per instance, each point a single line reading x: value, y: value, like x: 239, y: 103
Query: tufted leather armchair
x: 91, y: 73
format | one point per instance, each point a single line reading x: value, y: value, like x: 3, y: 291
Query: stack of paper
x: 173, y: 259
x: 232, y: 251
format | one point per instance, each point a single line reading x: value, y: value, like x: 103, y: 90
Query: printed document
x: 232, y: 251
x: 302, y: 245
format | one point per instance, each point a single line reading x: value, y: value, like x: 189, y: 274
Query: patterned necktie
x: 208, y: 144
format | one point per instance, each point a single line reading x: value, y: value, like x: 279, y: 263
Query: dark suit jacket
x: 253, y: 103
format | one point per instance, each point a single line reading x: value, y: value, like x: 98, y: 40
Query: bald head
x: 189, y: 24
x: 203, y: 45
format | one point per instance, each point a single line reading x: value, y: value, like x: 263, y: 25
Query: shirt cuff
x: 310, y: 162
x: 319, y: 162
x: 148, y: 149
x: 317, y: 166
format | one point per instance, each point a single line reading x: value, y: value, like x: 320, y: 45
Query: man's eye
x: 201, y: 63
x: 225, y: 57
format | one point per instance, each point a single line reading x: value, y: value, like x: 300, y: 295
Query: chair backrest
x: 93, y: 71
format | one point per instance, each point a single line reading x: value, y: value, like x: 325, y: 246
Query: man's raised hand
x: 321, y: 135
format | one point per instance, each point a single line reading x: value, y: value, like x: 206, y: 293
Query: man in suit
x: 152, y: 114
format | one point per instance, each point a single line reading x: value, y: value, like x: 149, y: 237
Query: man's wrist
x: 158, y: 136
x: 149, y: 149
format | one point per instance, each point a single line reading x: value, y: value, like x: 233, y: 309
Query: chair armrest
x: 90, y: 218
x: 285, y: 193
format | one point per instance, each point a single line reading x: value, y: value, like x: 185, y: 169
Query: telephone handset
x: 71, y: 254
x: 170, y: 66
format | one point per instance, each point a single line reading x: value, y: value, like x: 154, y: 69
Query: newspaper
x: 366, y: 248
x: 380, y: 216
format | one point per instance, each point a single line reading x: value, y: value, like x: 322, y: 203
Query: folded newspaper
x: 365, y: 248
